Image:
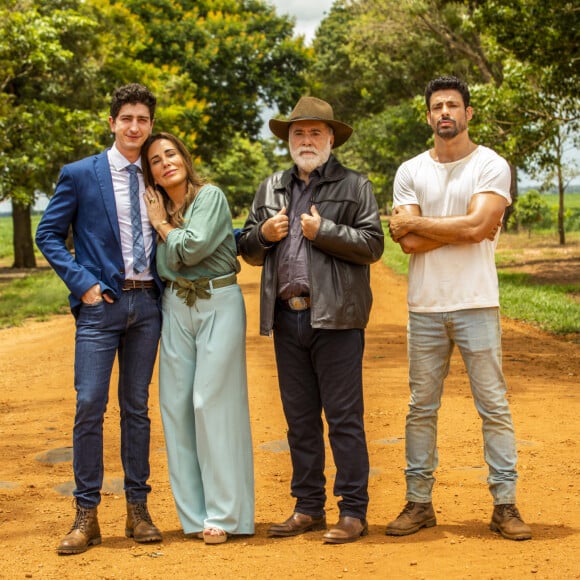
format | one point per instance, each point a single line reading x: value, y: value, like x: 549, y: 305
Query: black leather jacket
x: 350, y: 238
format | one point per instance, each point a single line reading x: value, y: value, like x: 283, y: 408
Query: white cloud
x: 308, y: 14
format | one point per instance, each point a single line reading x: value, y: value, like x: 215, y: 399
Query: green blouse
x: 204, y: 246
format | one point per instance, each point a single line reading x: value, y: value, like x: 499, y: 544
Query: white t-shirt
x: 458, y: 276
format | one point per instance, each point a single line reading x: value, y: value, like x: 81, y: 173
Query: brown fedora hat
x: 312, y: 109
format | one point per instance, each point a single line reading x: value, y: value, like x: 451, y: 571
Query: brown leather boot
x: 507, y: 521
x: 85, y: 532
x: 297, y: 524
x: 348, y: 529
x: 414, y: 516
x: 139, y: 524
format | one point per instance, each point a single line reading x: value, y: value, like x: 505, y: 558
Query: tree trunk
x: 514, y: 195
x: 561, y: 188
x: 22, y: 236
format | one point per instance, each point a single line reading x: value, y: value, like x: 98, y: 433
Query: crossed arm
x: 417, y: 234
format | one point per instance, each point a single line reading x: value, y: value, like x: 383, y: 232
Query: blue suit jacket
x: 84, y: 198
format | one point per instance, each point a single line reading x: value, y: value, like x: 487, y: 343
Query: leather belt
x: 212, y: 283
x: 296, y: 303
x: 138, y: 285
x: 190, y: 290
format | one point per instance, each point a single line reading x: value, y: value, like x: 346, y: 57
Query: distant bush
x: 532, y: 211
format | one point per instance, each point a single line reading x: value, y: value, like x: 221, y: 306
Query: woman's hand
x: 155, y: 208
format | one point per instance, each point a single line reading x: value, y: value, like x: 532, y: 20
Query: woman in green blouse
x: 202, y: 362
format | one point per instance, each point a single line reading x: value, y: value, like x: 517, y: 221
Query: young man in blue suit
x: 114, y: 292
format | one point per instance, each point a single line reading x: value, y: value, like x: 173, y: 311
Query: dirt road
x: 36, y: 417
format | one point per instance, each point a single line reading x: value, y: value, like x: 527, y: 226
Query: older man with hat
x: 315, y: 229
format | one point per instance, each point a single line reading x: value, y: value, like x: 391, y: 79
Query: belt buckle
x: 298, y: 303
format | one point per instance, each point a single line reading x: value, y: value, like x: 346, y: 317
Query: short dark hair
x: 133, y: 94
x: 447, y: 82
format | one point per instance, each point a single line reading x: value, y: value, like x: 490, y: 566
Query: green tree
x: 551, y: 166
x: 541, y: 32
x: 239, y: 56
x: 531, y: 209
x: 372, y: 59
x: 381, y: 142
x: 389, y: 49
x: 368, y: 56
x: 59, y: 60
x: 239, y: 171
x: 544, y: 36
x: 35, y: 57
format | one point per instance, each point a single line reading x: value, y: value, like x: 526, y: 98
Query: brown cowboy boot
x: 139, y: 524
x: 85, y: 532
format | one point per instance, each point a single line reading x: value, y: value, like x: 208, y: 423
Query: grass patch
x: 39, y: 295
x: 239, y: 222
x: 6, y: 236
x: 393, y: 256
x: 550, y: 307
x: 544, y: 245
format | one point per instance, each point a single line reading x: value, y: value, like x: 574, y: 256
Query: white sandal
x: 214, y: 535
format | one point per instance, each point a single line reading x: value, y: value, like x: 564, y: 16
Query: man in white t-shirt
x: 448, y: 204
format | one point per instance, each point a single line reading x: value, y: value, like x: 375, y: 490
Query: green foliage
x: 59, y: 60
x: 213, y: 66
x: 238, y: 56
x: 542, y: 32
x: 531, y: 210
x: 571, y: 213
x: 381, y: 143
x: 373, y: 55
x: 239, y: 171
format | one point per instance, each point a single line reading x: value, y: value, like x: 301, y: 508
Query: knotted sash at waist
x: 190, y: 290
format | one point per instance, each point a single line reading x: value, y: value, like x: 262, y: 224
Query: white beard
x: 309, y: 164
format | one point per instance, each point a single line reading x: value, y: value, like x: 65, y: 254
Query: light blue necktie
x: 139, y: 256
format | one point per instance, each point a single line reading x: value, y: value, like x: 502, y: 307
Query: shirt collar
x: 119, y: 161
x: 315, y: 175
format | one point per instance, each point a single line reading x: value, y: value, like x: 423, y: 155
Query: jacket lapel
x: 103, y: 173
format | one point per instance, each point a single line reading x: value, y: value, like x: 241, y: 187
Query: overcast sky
x: 308, y: 14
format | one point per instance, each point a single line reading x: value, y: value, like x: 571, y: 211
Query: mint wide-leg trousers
x: 204, y: 407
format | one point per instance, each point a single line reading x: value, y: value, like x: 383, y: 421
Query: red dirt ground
x: 36, y: 417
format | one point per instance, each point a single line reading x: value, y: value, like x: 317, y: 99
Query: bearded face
x: 310, y: 144
x: 447, y: 116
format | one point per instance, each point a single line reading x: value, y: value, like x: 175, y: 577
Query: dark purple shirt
x: 293, y: 267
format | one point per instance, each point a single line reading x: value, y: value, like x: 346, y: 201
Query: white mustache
x: 307, y: 150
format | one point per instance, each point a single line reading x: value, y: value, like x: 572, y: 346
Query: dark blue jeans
x: 321, y: 370
x: 129, y: 328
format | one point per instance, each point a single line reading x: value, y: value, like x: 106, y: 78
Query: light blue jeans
x: 431, y: 339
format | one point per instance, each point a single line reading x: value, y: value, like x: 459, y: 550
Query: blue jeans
x: 129, y: 328
x: 321, y: 370
x: 431, y: 338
